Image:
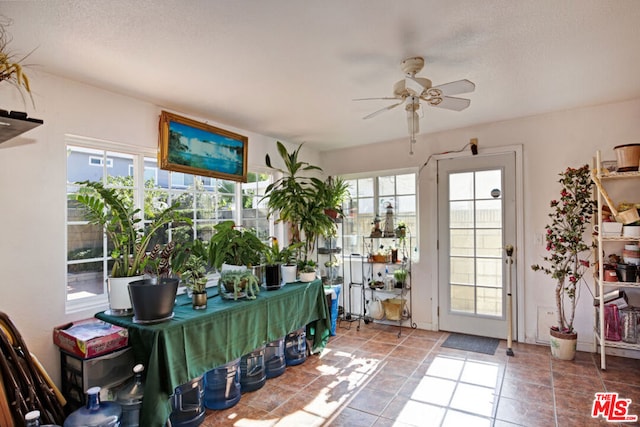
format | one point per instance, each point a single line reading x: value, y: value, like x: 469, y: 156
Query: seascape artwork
x: 193, y: 147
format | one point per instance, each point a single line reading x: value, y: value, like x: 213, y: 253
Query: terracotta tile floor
x: 371, y: 377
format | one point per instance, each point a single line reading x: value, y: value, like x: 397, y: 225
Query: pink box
x: 90, y: 337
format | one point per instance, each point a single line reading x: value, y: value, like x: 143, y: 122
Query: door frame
x: 519, y: 252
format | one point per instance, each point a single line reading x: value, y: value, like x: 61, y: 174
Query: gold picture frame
x: 193, y: 147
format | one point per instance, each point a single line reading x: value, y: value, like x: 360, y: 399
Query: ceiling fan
x: 411, y: 90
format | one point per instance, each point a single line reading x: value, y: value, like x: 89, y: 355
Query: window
x: 208, y: 200
x: 99, y: 161
x: 370, y: 196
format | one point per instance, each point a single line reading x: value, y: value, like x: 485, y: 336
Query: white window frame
x: 100, y: 302
x: 376, y: 201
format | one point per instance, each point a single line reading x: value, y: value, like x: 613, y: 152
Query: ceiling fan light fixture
x: 412, y: 89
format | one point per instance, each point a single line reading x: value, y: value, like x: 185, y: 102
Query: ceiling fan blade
x: 375, y: 113
x: 373, y: 99
x: 449, y: 102
x: 455, y: 88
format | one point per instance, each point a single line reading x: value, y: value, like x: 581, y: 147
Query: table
x: 195, y: 341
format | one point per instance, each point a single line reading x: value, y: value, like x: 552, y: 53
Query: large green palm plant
x: 290, y: 195
x: 122, y: 224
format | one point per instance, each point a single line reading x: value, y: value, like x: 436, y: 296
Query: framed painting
x: 193, y: 147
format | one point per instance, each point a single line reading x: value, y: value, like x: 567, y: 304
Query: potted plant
x: 126, y: 234
x: 331, y: 271
x: 194, y: 277
x: 233, y: 245
x: 234, y: 284
x: 275, y: 258
x: 289, y: 195
x: 333, y: 192
x: 570, y: 216
x: 11, y: 70
x: 400, y: 276
x: 401, y: 230
x: 307, y: 270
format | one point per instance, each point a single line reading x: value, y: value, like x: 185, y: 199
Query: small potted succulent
x: 234, y: 284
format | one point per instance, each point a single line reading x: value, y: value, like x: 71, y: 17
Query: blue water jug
x: 95, y: 413
x: 187, y: 402
x: 296, y: 347
x: 274, y: 361
x: 222, y: 386
x: 252, y: 370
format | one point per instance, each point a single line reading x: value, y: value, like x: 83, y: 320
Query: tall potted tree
x: 567, y: 260
x: 291, y: 196
x: 128, y: 237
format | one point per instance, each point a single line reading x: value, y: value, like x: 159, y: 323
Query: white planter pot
x: 119, y: 300
x: 563, y: 346
x: 308, y: 277
x: 231, y: 267
x: 288, y: 273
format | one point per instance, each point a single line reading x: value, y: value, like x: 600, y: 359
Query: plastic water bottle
x: 32, y: 419
x: 95, y: 413
x: 130, y: 399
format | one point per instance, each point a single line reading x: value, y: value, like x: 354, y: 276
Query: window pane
x: 461, y: 242
x: 122, y: 164
x: 365, y: 206
x: 462, y: 298
x: 489, y: 242
x: 406, y: 184
x: 461, y: 186
x: 462, y: 270
x: 489, y: 272
x: 490, y: 301
x: 386, y: 185
x: 406, y: 205
x: 487, y: 181
x: 80, y: 167
x: 489, y: 213
x: 365, y: 187
x: 461, y: 214
x: 84, y: 242
x: 85, y: 280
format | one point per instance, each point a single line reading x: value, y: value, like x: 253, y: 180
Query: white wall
x: 33, y: 194
x: 550, y: 142
x: 32, y: 190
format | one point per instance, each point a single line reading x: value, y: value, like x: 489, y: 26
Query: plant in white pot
x: 567, y: 261
x: 127, y: 236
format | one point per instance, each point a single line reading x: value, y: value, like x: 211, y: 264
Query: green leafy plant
x: 234, y: 245
x: 123, y: 226
x: 194, y: 274
x: 298, y: 199
x: 570, y: 217
x: 235, y: 282
x: 274, y: 255
x: 307, y: 266
x: 332, y: 194
x: 400, y: 275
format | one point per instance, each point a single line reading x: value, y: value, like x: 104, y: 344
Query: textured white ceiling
x: 290, y: 68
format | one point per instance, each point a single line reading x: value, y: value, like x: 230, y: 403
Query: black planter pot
x: 153, y: 299
x: 272, y: 276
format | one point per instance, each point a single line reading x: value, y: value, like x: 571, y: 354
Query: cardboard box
x: 90, y: 337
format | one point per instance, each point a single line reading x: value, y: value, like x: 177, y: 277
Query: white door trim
x: 519, y: 254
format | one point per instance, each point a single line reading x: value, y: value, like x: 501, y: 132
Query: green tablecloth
x: 194, y: 341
